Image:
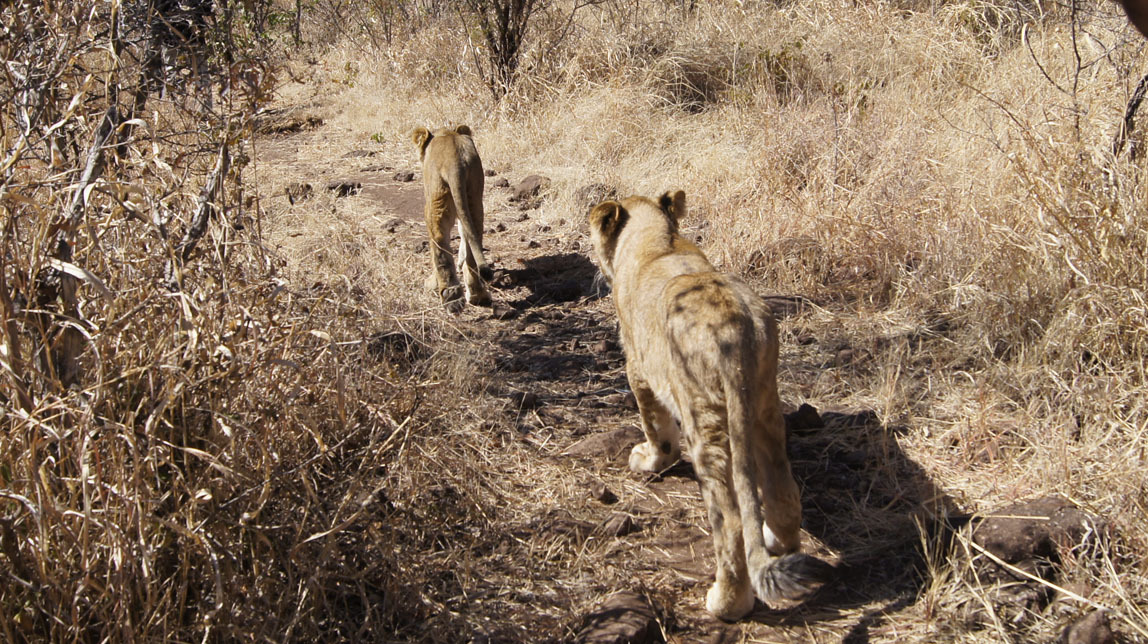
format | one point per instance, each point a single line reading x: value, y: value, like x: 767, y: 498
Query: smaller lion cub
x: 453, y: 182
x: 701, y: 354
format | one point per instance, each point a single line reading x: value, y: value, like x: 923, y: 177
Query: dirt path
x: 554, y: 392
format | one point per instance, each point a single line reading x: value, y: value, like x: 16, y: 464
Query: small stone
x: 621, y: 400
x: 602, y: 347
x: 344, y: 188
x: 503, y: 312
x: 844, y: 357
x: 500, y: 182
x: 620, y: 524
x: 806, y: 417
x: 1093, y: 629
x: 624, y: 618
x: 610, y: 444
x: 525, y: 399
x: 404, y: 176
x: 298, y: 191
x: 530, y: 187
x: 603, y: 494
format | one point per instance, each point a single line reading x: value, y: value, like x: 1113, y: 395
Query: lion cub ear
x: 674, y: 205
x: 608, y: 218
x: 464, y: 130
x: 420, y: 136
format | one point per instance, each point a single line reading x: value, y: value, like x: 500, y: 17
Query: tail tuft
x: 793, y: 576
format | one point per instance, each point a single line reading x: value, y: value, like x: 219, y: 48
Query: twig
x: 1126, y: 127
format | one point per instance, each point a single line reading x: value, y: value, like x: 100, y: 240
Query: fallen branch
x: 208, y: 198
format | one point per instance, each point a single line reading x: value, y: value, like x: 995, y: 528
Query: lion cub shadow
x: 867, y: 501
x: 548, y: 279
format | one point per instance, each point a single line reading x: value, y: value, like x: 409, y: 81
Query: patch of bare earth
x: 522, y: 457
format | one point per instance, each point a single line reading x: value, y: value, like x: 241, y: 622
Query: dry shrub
x: 195, y: 446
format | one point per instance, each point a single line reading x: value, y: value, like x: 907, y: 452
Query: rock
x: 298, y: 191
x: 500, y: 227
x: 806, y: 417
x: 621, y: 400
x: 530, y: 187
x: 845, y: 357
x: 488, y: 173
x: 1035, y: 529
x: 592, y: 194
x: 1029, y: 537
x: 609, y: 444
x: 603, y: 347
x: 1093, y: 629
x: 404, y: 176
x: 419, y: 246
x: 503, y: 312
x: 620, y: 524
x: 500, y: 182
x: 525, y: 399
x: 624, y: 618
x: 344, y: 188
x: 603, y: 494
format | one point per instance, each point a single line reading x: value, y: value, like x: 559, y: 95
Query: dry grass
x: 299, y: 444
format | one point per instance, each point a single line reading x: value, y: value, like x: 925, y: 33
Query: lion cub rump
x: 701, y: 355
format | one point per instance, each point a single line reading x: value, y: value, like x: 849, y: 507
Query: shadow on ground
x: 867, y: 500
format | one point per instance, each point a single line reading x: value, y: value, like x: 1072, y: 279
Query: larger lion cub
x: 701, y: 353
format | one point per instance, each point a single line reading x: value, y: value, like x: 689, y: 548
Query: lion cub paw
x: 729, y: 603
x: 480, y: 298
x: 452, y: 298
x: 646, y: 457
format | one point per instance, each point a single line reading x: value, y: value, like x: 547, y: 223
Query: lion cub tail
x: 791, y: 576
x: 757, y: 472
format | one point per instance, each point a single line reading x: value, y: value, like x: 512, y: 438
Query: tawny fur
x: 453, y: 182
x: 701, y: 354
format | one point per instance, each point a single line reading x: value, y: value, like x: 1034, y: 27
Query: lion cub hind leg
x: 780, y: 496
x: 731, y: 596
x: 661, y: 448
x: 476, y: 292
x: 439, y: 219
